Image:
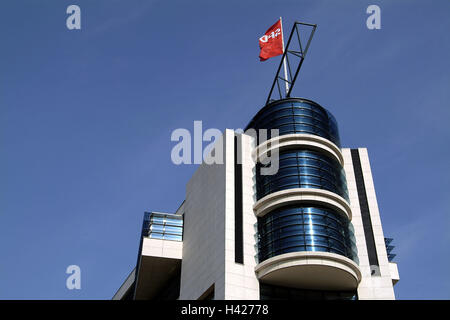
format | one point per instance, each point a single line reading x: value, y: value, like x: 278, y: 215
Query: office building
x: 311, y: 231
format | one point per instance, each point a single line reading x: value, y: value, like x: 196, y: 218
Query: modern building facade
x: 311, y: 231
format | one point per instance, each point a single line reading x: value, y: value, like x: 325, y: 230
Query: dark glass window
x: 302, y: 228
x: 294, y: 228
x: 296, y: 115
x: 303, y: 169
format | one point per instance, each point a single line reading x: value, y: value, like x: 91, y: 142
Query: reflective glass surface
x: 295, y: 115
x: 303, y: 169
x: 294, y: 228
x: 163, y: 226
x: 389, y: 249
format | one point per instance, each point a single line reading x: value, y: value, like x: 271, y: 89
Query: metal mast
x: 297, y: 54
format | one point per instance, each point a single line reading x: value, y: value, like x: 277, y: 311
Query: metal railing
x: 389, y: 249
x: 294, y: 53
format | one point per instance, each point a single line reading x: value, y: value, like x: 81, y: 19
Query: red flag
x: 271, y: 43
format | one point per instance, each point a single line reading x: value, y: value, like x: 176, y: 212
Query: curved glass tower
x: 306, y: 202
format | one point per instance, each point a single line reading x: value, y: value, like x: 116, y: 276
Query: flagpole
x: 284, y: 60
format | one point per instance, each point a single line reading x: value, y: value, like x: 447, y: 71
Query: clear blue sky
x: 86, y: 118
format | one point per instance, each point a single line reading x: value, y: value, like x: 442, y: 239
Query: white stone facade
x: 208, y: 241
x: 207, y: 252
x: 376, y: 287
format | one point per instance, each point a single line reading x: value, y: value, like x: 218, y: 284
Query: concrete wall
x: 203, y: 261
x: 209, y: 229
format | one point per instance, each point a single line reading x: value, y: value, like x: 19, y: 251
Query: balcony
x: 160, y: 255
x: 310, y: 270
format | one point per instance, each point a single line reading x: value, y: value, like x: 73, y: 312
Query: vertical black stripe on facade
x: 238, y: 218
x: 364, y: 206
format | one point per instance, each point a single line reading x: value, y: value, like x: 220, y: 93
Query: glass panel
x: 163, y: 226
x: 305, y: 169
x: 293, y: 229
x: 275, y: 115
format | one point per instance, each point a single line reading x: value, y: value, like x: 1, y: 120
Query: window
x: 295, y: 228
x: 303, y: 169
x: 297, y: 116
